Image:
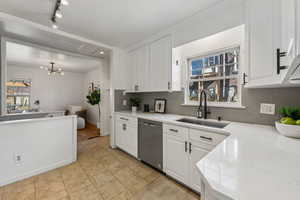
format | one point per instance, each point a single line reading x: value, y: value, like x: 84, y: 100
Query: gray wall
x: 251, y: 98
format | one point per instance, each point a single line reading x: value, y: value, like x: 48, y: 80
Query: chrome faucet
x: 202, y: 110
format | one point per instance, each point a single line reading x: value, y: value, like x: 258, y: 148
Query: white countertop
x: 34, y: 113
x: 171, y: 119
x: 19, y: 121
x: 253, y: 163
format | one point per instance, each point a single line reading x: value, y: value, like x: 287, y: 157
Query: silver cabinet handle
x: 122, y: 118
x: 169, y: 86
x: 190, y: 148
x: 206, y: 138
x: 174, y: 130
x: 124, y: 127
x: 185, y: 146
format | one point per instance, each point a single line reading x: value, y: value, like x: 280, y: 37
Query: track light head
x: 54, y: 26
x: 64, y: 2
x: 58, y: 14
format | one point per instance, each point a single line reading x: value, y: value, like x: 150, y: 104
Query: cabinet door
x: 138, y: 62
x: 176, y: 158
x: 271, y: 26
x: 197, y: 153
x: 288, y: 29
x: 132, y: 68
x: 142, y: 66
x: 119, y: 135
x: 264, y: 38
x: 130, y: 140
x: 160, y: 65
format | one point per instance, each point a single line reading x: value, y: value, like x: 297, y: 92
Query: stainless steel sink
x: 203, y: 123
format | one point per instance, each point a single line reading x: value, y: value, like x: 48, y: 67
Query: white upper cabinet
x: 138, y: 62
x: 132, y: 69
x: 142, y: 69
x: 270, y: 27
x: 160, y: 65
x: 151, y: 66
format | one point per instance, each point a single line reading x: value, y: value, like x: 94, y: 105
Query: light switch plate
x: 124, y: 102
x: 268, y: 109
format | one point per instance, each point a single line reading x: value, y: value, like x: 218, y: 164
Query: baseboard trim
x: 36, y: 172
x: 104, y: 134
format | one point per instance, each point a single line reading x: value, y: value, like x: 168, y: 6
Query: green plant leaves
x: 94, y: 97
x: 135, y: 101
x: 293, y: 113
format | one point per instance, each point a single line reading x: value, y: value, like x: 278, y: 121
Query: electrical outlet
x: 268, y: 109
x: 124, y: 102
x: 18, y: 158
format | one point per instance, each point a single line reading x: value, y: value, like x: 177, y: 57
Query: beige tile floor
x: 100, y: 173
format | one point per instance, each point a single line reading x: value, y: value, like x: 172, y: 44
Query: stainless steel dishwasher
x: 150, y: 138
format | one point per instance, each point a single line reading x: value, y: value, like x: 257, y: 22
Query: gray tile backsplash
x: 251, y: 99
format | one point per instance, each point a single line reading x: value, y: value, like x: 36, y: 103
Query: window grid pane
x: 218, y: 74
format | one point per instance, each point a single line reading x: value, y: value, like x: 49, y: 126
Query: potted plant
x: 94, y: 98
x: 289, y: 124
x: 135, y: 103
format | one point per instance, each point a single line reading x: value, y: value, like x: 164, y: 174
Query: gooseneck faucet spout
x: 202, y: 110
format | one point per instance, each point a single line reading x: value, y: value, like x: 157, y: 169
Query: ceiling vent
x: 91, y: 50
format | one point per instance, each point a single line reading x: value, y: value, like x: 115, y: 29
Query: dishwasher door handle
x: 174, y: 130
x: 152, y: 125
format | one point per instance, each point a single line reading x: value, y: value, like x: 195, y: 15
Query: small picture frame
x: 160, y: 105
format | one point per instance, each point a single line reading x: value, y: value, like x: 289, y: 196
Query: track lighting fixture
x: 57, y: 12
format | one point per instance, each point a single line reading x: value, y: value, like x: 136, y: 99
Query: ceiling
x: 114, y: 22
x: 34, y: 57
x: 24, y: 30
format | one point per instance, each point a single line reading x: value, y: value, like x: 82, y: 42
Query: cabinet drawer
x: 205, y: 137
x: 176, y: 131
x: 129, y: 121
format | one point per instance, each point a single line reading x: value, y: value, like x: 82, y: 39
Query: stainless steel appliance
x: 150, y: 148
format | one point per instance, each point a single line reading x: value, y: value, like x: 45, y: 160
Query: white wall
x: 40, y: 151
x: 102, y: 77
x: 54, y: 92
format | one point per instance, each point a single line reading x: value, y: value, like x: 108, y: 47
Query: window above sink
x: 214, y: 64
x: 216, y: 73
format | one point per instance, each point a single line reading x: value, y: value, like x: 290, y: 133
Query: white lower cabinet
x: 183, y: 148
x: 177, y: 158
x: 197, y: 153
x: 126, y: 134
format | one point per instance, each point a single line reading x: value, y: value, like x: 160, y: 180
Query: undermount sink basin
x: 203, y: 123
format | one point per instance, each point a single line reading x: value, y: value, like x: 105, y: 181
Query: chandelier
x: 52, y: 71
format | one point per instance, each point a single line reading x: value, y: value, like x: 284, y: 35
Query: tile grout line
x: 60, y: 173
x: 88, y: 176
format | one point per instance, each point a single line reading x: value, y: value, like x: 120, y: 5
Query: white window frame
x: 188, y: 60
